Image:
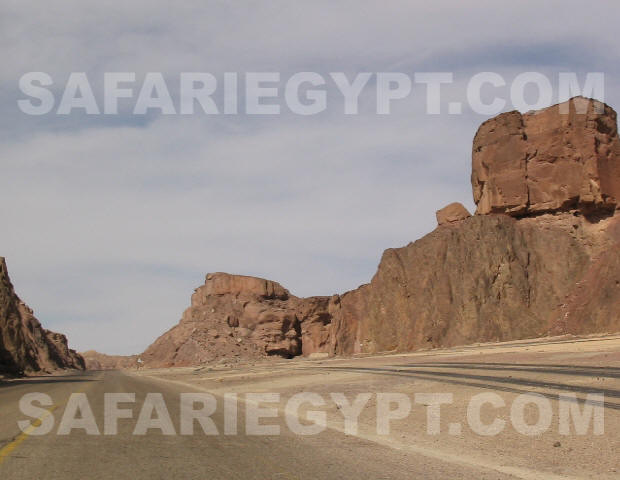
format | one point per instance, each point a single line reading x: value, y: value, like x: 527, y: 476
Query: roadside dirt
x: 547, y: 367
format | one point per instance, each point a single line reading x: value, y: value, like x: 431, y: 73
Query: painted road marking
x: 8, y: 449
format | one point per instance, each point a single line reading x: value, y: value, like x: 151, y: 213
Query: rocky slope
x: 25, y: 346
x: 541, y: 255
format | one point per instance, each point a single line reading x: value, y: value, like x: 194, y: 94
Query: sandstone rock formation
x: 454, y: 212
x: 25, y: 346
x: 542, y: 255
x: 548, y: 161
x: 234, y: 316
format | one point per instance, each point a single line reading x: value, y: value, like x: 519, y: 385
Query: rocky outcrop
x: 238, y: 317
x: 25, y: 346
x: 541, y: 255
x: 455, y: 212
x: 548, y: 161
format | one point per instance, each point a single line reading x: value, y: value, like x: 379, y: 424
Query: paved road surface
x: 546, y: 367
x: 124, y: 456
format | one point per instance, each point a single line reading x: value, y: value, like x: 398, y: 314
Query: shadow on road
x: 506, y: 384
x: 38, y: 380
x: 574, y: 370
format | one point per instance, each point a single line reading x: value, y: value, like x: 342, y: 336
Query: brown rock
x: 491, y: 278
x: 316, y: 315
x: 25, y: 346
x: 592, y: 304
x: 226, y: 284
x: 454, y: 212
x: 548, y: 161
x: 243, y: 317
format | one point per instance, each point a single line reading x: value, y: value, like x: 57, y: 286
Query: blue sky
x: 110, y: 222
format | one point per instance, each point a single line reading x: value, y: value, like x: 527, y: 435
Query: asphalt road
x: 330, y: 455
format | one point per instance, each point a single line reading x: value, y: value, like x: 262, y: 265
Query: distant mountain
x: 100, y: 361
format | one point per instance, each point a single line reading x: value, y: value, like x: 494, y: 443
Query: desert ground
x: 549, y: 367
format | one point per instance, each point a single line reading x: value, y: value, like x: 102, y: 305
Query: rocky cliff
x: 541, y: 255
x: 488, y: 278
x: 25, y: 346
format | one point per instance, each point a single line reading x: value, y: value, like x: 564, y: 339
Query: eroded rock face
x: 316, y: 315
x: 25, y: 346
x: 491, y: 278
x: 234, y: 317
x: 548, y: 161
x: 592, y: 304
x: 455, y: 212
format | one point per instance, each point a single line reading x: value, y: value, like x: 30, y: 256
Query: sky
x: 108, y: 222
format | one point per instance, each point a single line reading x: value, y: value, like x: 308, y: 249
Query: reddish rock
x: 316, y: 314
x: 592, y: 304
x: 548, y: 161
x: 25, y: 346
x: 455, y: 212
x: 235, y: 317
x: 491, y: 278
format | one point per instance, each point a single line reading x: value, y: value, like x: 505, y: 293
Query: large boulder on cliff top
x: 561, y: 158
x: 455, y: 212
